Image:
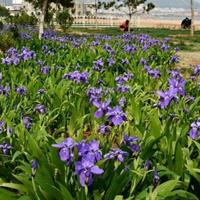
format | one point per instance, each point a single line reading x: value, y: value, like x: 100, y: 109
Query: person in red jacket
x: 124, y: 26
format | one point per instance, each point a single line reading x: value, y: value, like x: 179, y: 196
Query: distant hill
x: 174, y: 4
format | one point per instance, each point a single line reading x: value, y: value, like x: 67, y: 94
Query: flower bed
x: 98, y: 117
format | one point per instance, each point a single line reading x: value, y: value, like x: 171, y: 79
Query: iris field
x: 98, y: 117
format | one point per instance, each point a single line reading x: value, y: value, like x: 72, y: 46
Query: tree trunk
x: 192, y: 17
x: 129, y: 24
x: 41, y: 18
x: 96, y: 14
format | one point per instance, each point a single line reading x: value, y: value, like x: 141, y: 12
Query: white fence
x: 86, y: 21
x: 137, y: 21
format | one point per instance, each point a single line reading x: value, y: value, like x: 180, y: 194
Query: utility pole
x: 192, y: 17
x: 96, y: 13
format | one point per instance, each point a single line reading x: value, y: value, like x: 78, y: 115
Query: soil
x: 188, y: 59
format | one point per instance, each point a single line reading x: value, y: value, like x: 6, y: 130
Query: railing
x: 100, y: 22
x: 137, y: 21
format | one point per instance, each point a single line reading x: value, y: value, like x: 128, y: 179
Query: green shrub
x: 23, y: 19
x: 6, y: 41
x: 64, y: 19
x: 4, y: 12
x: 1, y: 25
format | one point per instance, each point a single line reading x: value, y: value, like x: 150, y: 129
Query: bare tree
x: 132, y: 7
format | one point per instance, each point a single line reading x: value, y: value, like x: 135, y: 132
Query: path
x: 188, y: 58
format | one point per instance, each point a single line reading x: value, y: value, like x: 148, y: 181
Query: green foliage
x: 163, y: 133
x: 23, y: 19
x: 149, y: 7
x: 49, y: 17
x: 4, y: 12
x: 6, y: 41
x: 1, y: 25
x: 44, y: 7
x: 64, y: 19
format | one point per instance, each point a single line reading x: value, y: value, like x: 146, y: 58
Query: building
x: 6, y: 3
x: 13, y: 5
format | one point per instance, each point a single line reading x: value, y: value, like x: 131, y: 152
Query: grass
x: 180, y: 38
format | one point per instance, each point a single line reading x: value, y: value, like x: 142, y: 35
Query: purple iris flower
x: 123, y: 88
x: 174, y: 59
x: 123, y: 78
x: 2, y: 126
x: 156, y: 178
x: 45, y: 49
x: 11, y: 51
x: 45, y: 70
x: 194, y: 131
x: 34, y: 165
x: 6, y: 61
x: 98, y: 64
x: 135, y: 148
x: 26, y: 54
x: 128, y: 140
x: 41, y: 91
x: 27, y: 121
x: 154, y: 73
x: 125, y: 61
x: 131, y: 142
x: 178, y: 85
x: 111, y: 62
x: 95, y: 43
x: 103, y: 129
x: 25, y: 36
x: 83, y: 148
x: 66, y: 150
x: 122, y: 101
x: 116, y: 116
x: 40, y: 108
x: 196, y: 70
x: 77, y: 76
x: 89, y: 151
x: 102, y: 108
x: 166, y: 98
x: 21, y: 90
x: 11, y: 60
x: 175, y: 74
x: 16, y: 61
x: 120, y: 79
x: 147, y: 164
x: 86, y: 169
x: 164, y: 47
x: 143, y: 61
x: 107, y: 47
x: 40, y: 63
x: 116, y: 153
x: 94, y: 94
x: 5, y: 147
x: 130, y: 49
x: 167, y: 39
x: 100, y: 81
x: 4, y: 90
x: 128, y: 76
x: 94, y: 152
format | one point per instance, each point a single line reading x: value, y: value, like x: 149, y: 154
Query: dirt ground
x: 188, y: 59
